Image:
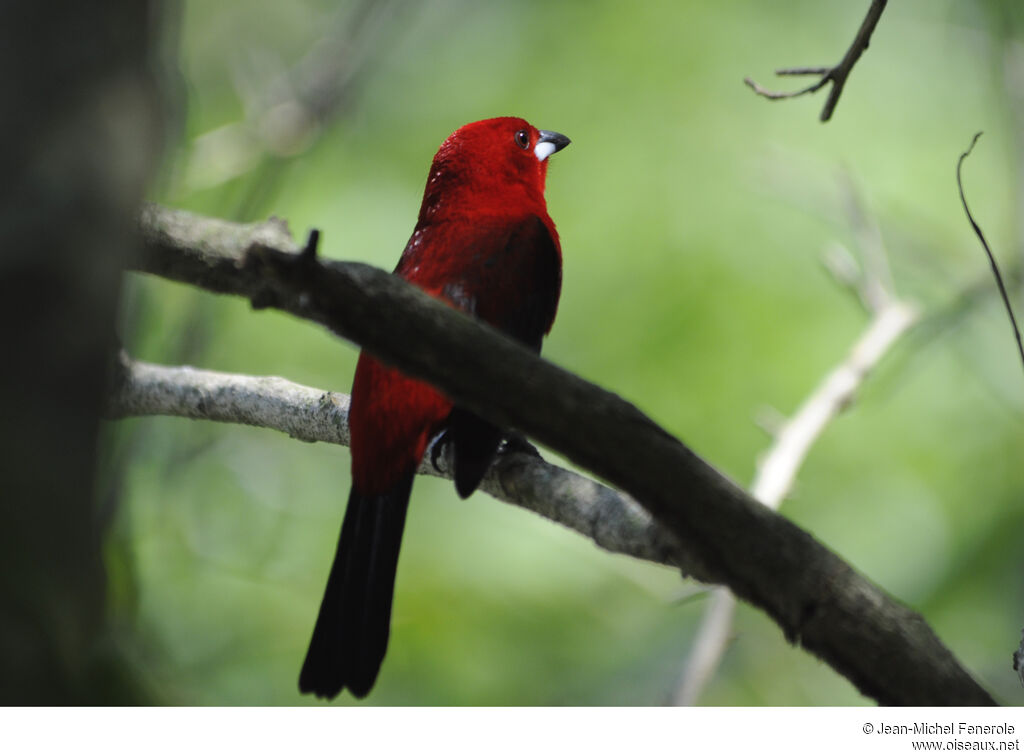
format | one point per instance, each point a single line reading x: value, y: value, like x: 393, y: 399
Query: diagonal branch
x: 887, y: 650
x: 835, y: 75
x: 871, y: 280
x: 613, y: 521
x: 777, y: 473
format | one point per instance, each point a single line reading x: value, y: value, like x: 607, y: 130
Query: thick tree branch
x: 819, y: 601
x: 836, y: 75
x: 613, y: 521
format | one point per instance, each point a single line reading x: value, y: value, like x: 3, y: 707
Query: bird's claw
x: 437, y: 450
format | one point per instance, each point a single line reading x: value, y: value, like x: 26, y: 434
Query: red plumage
x: 484, y: 243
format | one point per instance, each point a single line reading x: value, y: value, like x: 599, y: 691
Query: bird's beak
x: 549, y: 143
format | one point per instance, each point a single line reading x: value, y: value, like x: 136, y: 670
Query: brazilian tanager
x: 485, y: 244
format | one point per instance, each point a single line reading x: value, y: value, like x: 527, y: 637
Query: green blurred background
x: 693, y: 216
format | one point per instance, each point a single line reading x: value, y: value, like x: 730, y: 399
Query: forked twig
x: 836, y: 75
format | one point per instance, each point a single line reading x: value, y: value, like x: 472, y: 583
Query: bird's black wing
x: 514, y: 285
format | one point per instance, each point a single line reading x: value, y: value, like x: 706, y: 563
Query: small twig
x: 836, y: 75
x: 988, y: 251
x: 876, y: 280
x: 804, y: 71
x: 770, y: 94
x: 312, y: 242
x: 708, y: 647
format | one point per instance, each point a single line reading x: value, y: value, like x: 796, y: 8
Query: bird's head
x: 490, y: 166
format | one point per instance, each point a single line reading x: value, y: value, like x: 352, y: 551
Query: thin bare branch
x: 771, y: 94
x: 835, y: 75
x: 708, y: 647
x: 614, y: 522
x: 991, y: 258
x: 804, y: 71
x: 876, y: 281
x: 778, y: 469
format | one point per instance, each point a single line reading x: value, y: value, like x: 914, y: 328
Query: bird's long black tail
x: 351, y: 633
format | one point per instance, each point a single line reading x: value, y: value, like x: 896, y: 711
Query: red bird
x: 485, y: 244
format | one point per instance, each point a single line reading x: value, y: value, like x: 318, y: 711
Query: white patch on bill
x: 543, y: 150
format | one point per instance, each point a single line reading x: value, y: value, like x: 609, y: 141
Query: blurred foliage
x: 693, y: 215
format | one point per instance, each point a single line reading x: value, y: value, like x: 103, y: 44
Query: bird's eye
x: 523, y: 139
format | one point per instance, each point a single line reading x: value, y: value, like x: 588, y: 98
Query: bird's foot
x: 439, y: 451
